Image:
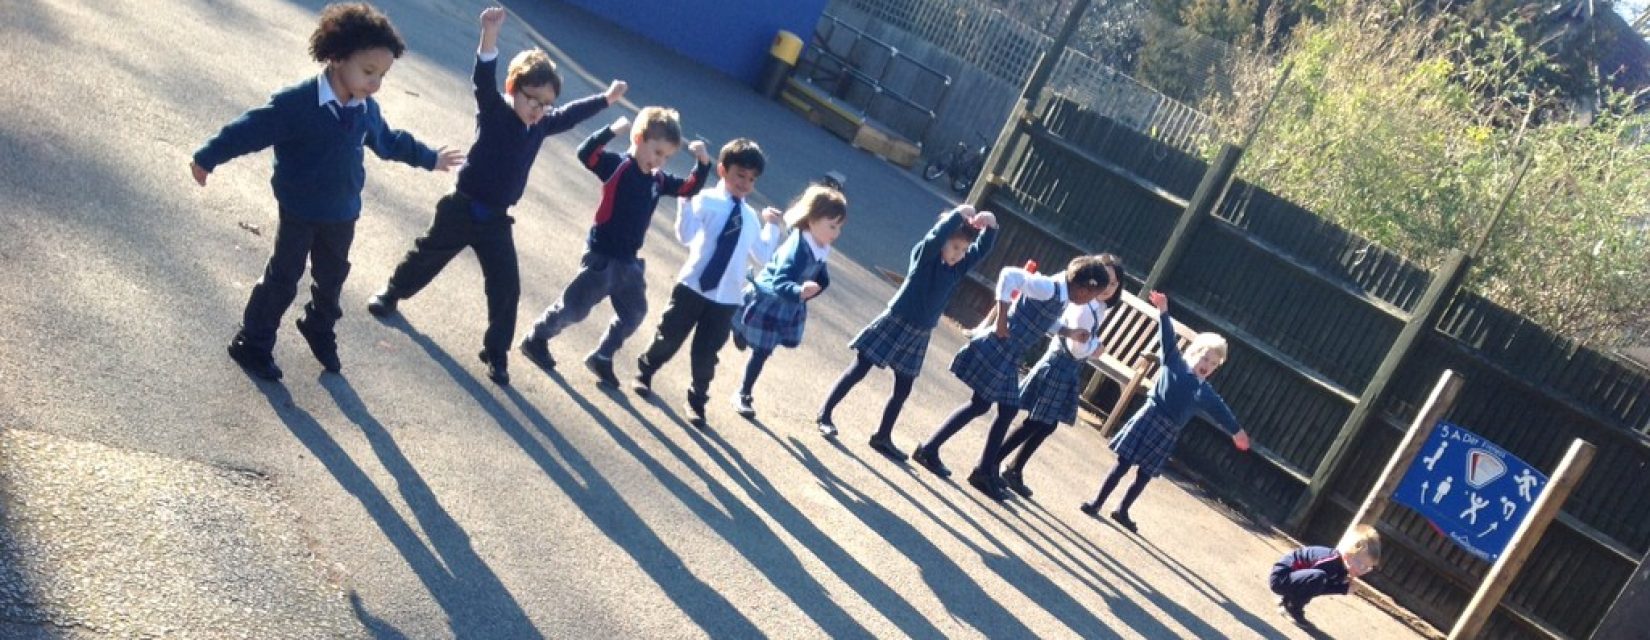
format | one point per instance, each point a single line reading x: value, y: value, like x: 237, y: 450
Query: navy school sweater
x: 628, y: 196
x: 785, y: 274
x: 318, y: 172
x: 495, y: 173
x: 928, y: 281
x: 1337, y: 580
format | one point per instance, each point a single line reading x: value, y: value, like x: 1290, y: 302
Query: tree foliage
x: 1409, y: 130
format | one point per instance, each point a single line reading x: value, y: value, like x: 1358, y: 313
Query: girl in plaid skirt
x: 898, y: 339
x: 1182, y: 388
x: 1049, y: 393
x: 776, y: 303
x: 990, y: 363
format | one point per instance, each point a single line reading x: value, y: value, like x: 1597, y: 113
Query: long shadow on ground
x: 459, y: 580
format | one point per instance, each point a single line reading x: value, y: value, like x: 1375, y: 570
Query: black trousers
x: 326, y: 246
x: 710, y: 322
x: 453, y: 230
x: 1026, y: 438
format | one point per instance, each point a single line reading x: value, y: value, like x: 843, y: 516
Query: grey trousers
x: 620, y: 280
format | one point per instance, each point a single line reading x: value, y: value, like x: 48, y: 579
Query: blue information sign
x: 1473, y: 491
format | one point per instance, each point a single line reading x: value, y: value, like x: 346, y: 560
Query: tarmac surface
x: 149, y: 488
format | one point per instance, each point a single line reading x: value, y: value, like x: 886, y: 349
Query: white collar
x: 820, y: 251
x: 326, y: 94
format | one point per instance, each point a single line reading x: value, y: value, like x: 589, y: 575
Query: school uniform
x: 1309, y: 572
x: 898, y: 338
x: 724, y: 235
x: 774, y: 313
x: 319, y: 144
x: 1149, y: 436
x: 990, y: 366
x: 1049, y: 393
x: 476, y: 214
x: 610, y: 268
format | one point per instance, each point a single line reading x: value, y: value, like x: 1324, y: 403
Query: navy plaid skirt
x: 1049, y: 393
x: 1147, y: 439
x: 894, y: 343
x: 991, y: 367
x: 769, y: 321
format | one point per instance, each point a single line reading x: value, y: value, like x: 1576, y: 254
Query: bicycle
x: 962, y: 163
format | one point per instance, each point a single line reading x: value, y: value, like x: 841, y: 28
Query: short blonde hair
x: 656, y: 123
x: 1364, y: 542
x: 1211, y: 342
x: 532, y: 68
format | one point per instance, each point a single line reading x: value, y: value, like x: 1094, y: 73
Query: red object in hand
x: 1031, y: 265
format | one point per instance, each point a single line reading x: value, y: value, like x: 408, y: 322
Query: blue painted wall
x: 732, y: 36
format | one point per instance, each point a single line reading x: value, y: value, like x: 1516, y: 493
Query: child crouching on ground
x: 1312, y: 571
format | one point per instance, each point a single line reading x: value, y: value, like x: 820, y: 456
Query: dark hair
x: 532, y: 68
x: 965, y: 232
x: 743, y: 152
x: 1116, y: 265
x: 1089, y: 272
x: 348, y: 28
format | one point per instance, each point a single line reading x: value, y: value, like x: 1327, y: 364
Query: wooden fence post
x: 1437, y: 296
x: 1203, y: 202
x: 1564, y: 480
x: 1438, y: 404
x: 1040, y: 74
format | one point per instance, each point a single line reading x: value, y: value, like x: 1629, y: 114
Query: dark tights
x: 976, y: 407
x: 753, y: 369
x: 1027, y: 438
x: 1140, y: 480
x: 850, y: 377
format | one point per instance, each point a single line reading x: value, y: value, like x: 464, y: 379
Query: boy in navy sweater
x: 509, y: 132
x: 318, y: 128
x: 1312, y: 571
x: 610, y: 268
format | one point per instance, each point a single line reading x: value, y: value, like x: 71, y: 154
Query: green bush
x: 1410, y: 132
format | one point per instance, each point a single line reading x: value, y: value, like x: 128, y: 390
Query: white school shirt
x: 699, y: 222
x: 323, y: 91
x: 1088, y: 317
x: 1031, y: 285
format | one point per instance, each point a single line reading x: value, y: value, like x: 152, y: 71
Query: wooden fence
x: 1311, y: 311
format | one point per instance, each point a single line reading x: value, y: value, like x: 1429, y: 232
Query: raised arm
x: 689, y: 187
x: 593, y: 152
x: 1168, y: 342
x: 987, y: 239
x: 772, y: 234
x: 486, y: 68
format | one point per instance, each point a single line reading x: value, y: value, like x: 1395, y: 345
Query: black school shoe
x: 1016, y: 483
x: 381, y: 304
x: 498, y: 367
x: 537, y: 351
x: 885, y: 446
x: 642, y: 384
x: 930, y: 462
x: 987, y: 483
x: 696, y: 405
x: 1090, y: 509
x: 603, y: 368
x: 1295, y: 611
x: 1124, y: 521
x: 261, y: 365
x: 324, y: 347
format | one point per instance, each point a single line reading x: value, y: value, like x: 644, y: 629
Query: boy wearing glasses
x: 509, y: 132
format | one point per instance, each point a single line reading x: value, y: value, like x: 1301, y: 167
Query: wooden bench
x: 1128, y: 355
